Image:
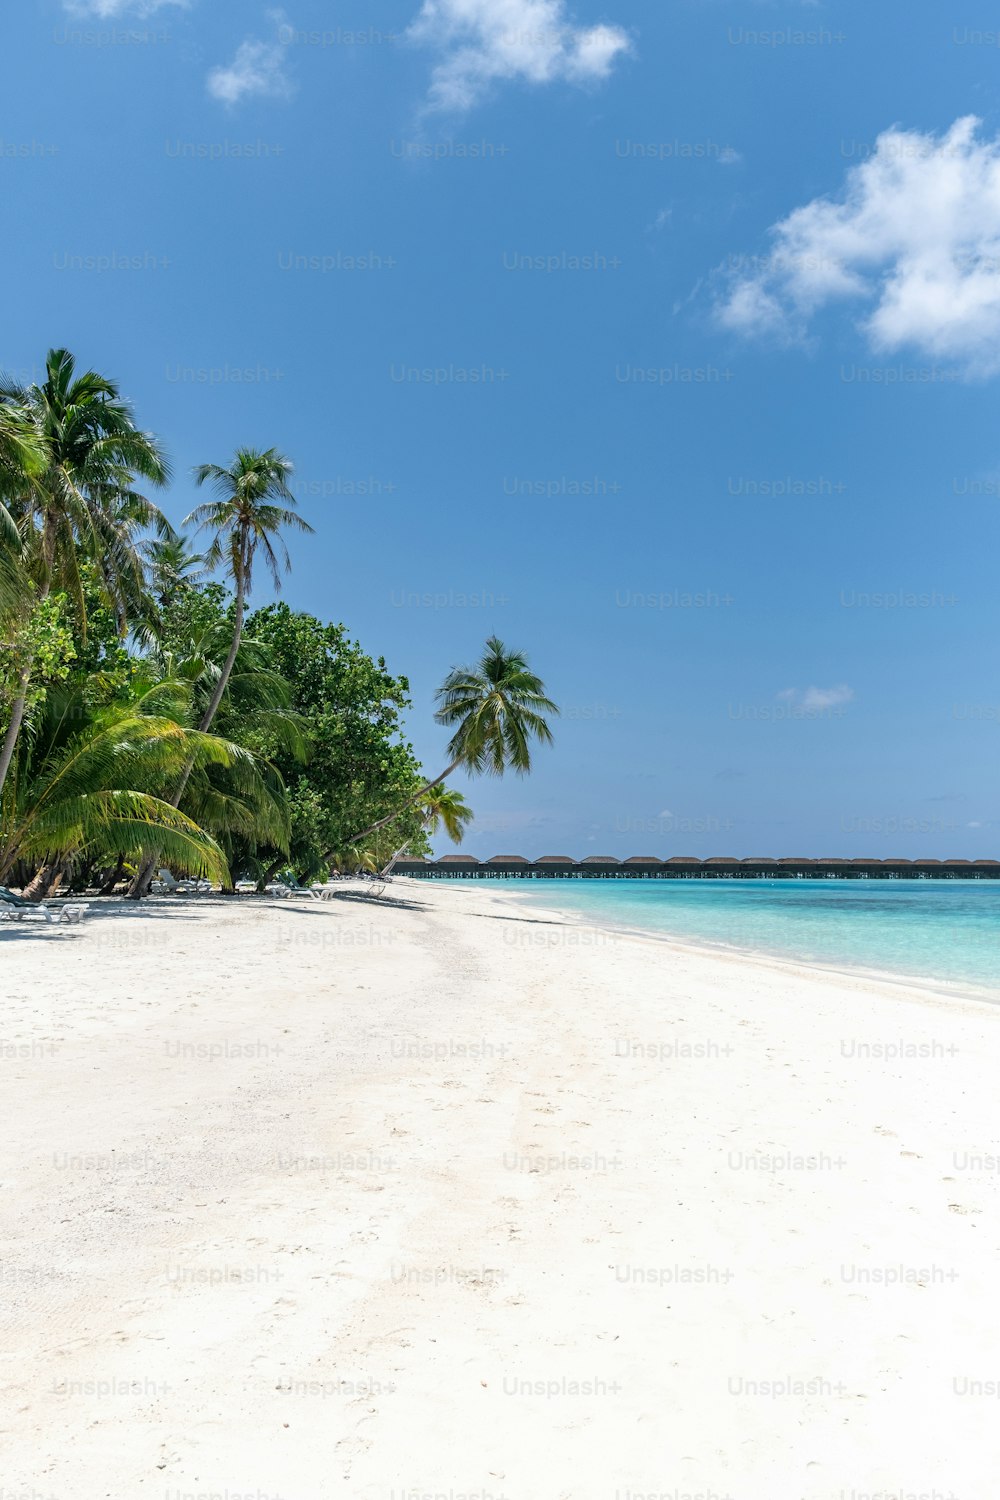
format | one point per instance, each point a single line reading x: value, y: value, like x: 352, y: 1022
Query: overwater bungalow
x: 508, y: 864
x: 554, y: 866
x: 689, y: 867
x: 455, y: 865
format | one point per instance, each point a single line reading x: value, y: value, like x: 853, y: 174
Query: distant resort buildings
x: 684, y: 867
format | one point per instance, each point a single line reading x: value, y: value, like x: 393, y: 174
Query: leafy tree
x: 351, y: 706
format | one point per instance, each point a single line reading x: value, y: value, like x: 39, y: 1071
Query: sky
x: 660, y: 339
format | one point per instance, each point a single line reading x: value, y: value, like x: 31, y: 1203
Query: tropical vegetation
x: 149, y: 716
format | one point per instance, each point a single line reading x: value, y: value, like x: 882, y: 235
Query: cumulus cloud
x: 815, y: 699
x: 110, y: 10
x: 912, y: 241
x: 257, y: 70
x: 485, y: 42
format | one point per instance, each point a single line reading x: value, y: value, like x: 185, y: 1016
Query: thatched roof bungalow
x: 552, y: 866
x: 508, y: 864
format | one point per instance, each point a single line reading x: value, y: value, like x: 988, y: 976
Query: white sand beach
x: 446, y: 1195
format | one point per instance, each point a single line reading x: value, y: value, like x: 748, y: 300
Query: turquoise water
x: 947, y: 931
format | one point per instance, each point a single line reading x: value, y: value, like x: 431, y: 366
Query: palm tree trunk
x: 141, y: 883
x: 14, y: 727
x: 107, y: 889
x: 227, y: 670
x: 402, y: 849
x: 271, y: 872
x: 374, y: 828
x: 21, y: 701
x: 38, y: 888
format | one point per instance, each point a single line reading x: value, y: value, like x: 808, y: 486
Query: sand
x: 451, y: 1196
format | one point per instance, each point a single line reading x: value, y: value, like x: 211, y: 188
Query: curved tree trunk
x: 38, y: 889
x: 21, y: 701
x: 108, y: 888
x: 401, y: 851
x: 268, y: 876
x: 14, y: 727
x: 374, y: 827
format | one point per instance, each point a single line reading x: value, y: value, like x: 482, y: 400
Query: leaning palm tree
x: 499, y: 707
x: 253, y: 504
x: 441, y: 808
x: 82, y: 503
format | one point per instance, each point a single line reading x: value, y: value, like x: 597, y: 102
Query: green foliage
x: 36, y: 638
x: 114, y: 646
x: 87, y: 783
x: 352, y: 706
x: 498, y: 707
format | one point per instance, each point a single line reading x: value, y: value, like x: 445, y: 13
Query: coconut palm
x: 22, y: 459
x: 498, y: 707
x: 253, y: 504
x: 84, y: 784
x: 22, y: 454
x: 82, y: 502
x: 172, y: 564
x: 441, y: 807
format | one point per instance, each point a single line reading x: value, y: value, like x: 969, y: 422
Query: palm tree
x: 22, y: 454
x: 84, y: 784
x: 22, y: 459
x: 441, y: 807
x: 81, y: 503
x: 172, y: 564
x: 499, y: 707
x: 253, y: 503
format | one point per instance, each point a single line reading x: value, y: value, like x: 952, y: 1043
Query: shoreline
x: 931, y: 985
x: 928, y: 986
x: 421, y: 1195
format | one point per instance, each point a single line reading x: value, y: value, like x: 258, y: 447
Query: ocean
x: 945, y: 931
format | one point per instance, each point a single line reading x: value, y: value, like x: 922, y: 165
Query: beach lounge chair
x: 166, y: 884
x: 16, y: 908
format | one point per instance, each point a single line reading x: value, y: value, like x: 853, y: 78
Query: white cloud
x: 109, y: 10
x: 913, y: 239
x: 488, y: 41
x: 257, y: 70
x: 816, y: 700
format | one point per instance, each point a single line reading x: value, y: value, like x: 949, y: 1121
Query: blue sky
x: 665, y: 339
